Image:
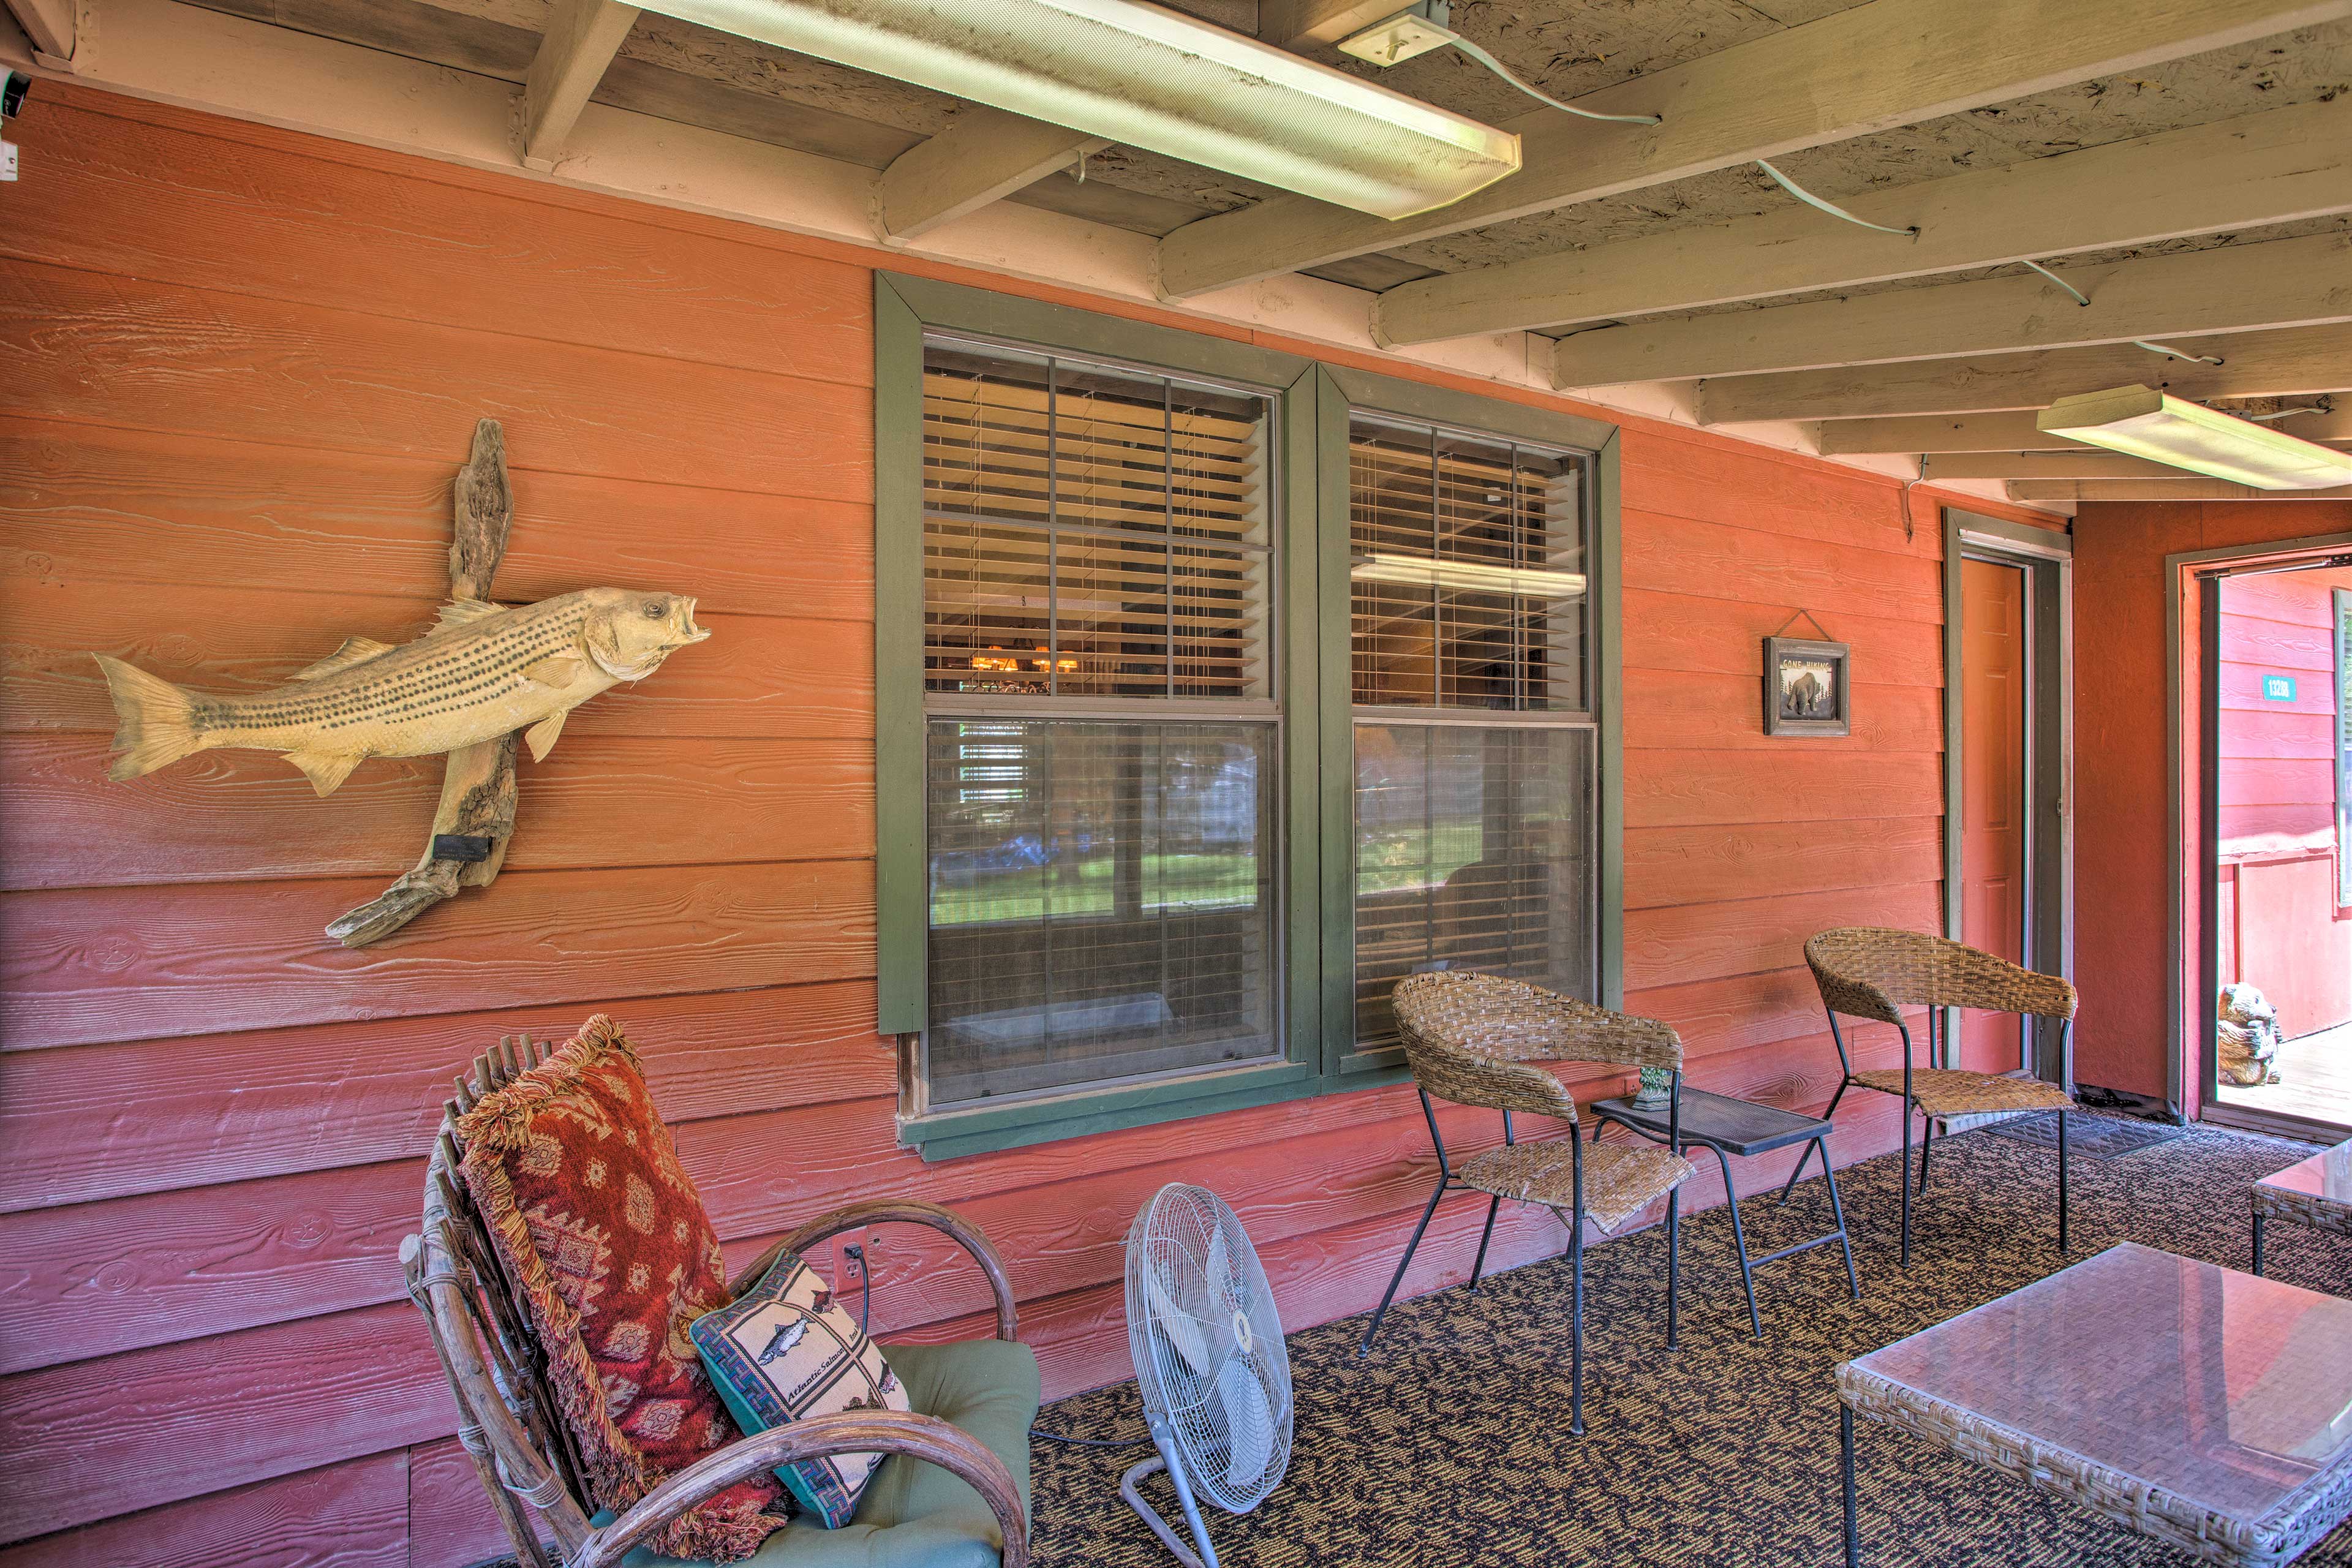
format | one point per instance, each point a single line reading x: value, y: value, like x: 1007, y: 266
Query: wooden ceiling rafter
x: 582, y: 38
x: 2265, y: 286
x: 986, y: 155
x: 2011, y: 431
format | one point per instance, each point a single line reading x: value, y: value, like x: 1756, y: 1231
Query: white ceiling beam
x: 53, y: 27
x: 1309, y: 24
x: 2254, y: 364
x: 2192, y: 489
x: 582, y: 38
x: 2247, y: 287
x: 2267, y: 168
x: 2086, y: 464
x: 1884, y: 64
x: 2013, y: 432
x: 986, y: 155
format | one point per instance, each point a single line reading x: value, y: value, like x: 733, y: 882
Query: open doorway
x: 2278, y: 879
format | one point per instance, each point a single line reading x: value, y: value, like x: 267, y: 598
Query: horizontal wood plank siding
x: 243, y: 367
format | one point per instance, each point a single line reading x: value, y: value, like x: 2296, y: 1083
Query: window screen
x: 1103, y: 749
x: 1474, y: 749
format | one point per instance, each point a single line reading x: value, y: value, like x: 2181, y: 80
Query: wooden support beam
x: 1310, y: 24
x: 2285, y: 164
x: 582, y: 38
x: 987, y: 154
x: 2013, y: 432
x: 2088, y: 463
x: 2237, y: 289
x: 2158, y: 489
x: 2254, y: 364
x: 53, y: 27
x: 1886, y: 63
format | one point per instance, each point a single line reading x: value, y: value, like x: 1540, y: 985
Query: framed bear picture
x: 1806, y: 687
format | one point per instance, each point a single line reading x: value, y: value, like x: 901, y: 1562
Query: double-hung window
x: 1216, y: 690
x: 1103, y: 742
x: 1475, y: 754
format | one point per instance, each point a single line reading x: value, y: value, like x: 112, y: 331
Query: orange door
x: 1992, y: 772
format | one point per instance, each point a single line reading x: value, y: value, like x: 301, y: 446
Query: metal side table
x: 1741, y: 1127
x: 2316, y: 1192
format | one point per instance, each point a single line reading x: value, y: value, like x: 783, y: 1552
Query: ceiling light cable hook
x: 1831, y: 208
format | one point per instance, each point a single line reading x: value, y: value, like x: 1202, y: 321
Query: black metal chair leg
x: 2062, y: 1181
x: 1845, y: 1467
x: 1478, y: 1265
x: 2258, y: 1268
x: 1576, y: 1302
x: 1790, y: 1185
x: 1739, y: 1240
x: 1837, y: 1211
x: 1402, y: 1263
x: 1675, y: 1260
x: 1926, y: 1145
x: 1903, y: 1180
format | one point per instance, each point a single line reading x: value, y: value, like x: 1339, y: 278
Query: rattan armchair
x: 1863, y: 972
x: 1470, y: 1039
x: 508, y: 1418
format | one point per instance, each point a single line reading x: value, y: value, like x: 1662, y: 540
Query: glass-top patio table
x: 2194, y: 1403
x: 2316, y: 1192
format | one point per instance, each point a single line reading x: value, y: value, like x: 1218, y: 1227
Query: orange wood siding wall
x: 2122, y: 859
x: 242, y: 365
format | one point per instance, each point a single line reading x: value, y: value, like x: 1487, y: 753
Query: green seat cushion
x: 915, y: 1515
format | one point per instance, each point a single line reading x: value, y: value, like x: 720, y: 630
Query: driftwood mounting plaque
x: 485, y: 677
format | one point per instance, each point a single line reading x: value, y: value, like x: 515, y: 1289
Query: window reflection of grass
x: 1403, y: 859
x: 1228, y: 880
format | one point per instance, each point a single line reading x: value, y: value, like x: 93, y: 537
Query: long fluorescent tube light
x: 2145, y: 422
x: 1469, y: 576
x: 1149, y: 78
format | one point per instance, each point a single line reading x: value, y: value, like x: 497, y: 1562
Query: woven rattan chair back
x: 508, y: 1418
x: 1467, y: 1036
x: 1869, y: 972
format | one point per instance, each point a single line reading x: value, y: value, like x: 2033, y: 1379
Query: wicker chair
x: 1866, y: 972
x: 506, y: 1412
x: 1469, y: 1037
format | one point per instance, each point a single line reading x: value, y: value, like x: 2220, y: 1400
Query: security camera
x: 14, y: 86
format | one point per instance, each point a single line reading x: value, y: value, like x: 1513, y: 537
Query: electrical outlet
x: 1408, y: 33
x: 8, y: 159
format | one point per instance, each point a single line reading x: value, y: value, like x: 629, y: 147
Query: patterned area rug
x: 1448, y: 1447
x: 2098, y: 1137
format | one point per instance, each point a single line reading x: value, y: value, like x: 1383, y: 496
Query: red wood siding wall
x: 2279, y: 925
x: 242, y: 365
x: 2122, y: 860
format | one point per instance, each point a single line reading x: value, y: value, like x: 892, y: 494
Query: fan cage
x: 1209, y: 1361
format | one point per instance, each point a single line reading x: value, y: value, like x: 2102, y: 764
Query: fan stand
x: 1207, y: 1556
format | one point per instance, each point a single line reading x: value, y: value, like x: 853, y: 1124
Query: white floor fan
x: 1209, y: 1360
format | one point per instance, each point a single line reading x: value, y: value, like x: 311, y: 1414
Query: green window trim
x: 1313, y: 404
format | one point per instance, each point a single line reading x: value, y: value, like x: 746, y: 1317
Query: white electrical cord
x: 1831, y: 208
x: 1500, y: 70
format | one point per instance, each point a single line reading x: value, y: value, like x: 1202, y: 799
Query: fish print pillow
x: 782, y: 1350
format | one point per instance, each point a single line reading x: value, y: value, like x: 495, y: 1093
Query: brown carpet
x: 1449, y: 1444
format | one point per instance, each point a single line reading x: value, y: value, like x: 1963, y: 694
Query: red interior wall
x: 242, y: 365
x: 2276, y: 784
x: 2122, y: 876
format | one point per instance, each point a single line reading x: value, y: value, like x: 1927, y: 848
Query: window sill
x: 980, y: 1130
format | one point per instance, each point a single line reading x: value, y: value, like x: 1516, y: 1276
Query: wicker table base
x: 2183, y: 1400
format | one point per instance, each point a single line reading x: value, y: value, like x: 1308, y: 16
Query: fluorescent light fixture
x: 1149, y: 78
x: 2146, y: 422
x: 1469, y: 576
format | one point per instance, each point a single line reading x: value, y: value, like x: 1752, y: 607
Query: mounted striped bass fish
x: 486, y: 670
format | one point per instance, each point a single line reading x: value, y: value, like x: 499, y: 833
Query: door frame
x: 2047, y: 559
x: 2192, y: 622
